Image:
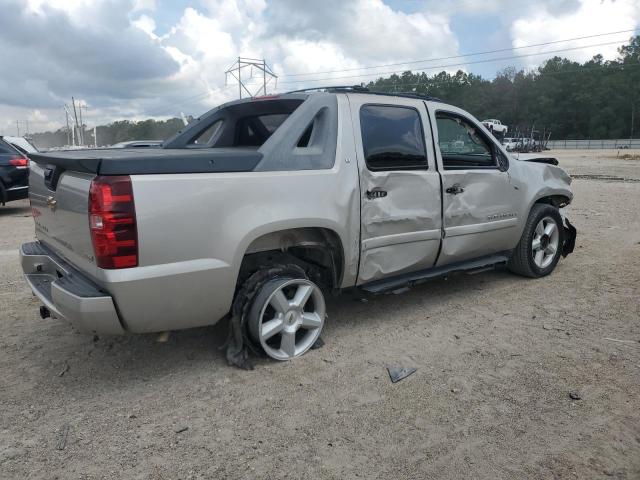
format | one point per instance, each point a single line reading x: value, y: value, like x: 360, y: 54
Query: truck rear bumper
x: 66, y: 293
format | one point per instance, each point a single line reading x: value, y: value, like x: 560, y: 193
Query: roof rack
x: 361, y: 89
x: 334, y: 88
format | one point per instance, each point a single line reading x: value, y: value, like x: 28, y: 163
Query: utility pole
x: 18, y: 127
x: 66, y: 115
x: 80, y: 106
x: 239, y: 78
x: 75, y: 115
x: 264, y: 76
x: 235, y: 71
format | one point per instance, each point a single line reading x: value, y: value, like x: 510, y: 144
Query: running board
x: 476, y: 265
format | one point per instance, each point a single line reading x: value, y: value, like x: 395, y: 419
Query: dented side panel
x: 401, y: 226
x: 490, y: 214
x: 483, y: 219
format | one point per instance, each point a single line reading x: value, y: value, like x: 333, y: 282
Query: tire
x: 286, y: 316
x: 526, y: 259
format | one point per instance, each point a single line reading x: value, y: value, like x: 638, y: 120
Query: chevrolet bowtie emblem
x: 52, y: 202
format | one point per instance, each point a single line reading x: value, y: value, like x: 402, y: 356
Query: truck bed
x: 131, y: 161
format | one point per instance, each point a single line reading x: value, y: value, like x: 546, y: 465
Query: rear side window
x: 461, y: 144
x: 207, y: 135
x: 254, y: 131
x: 392, y: 138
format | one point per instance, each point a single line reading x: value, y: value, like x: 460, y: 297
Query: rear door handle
x: 455, y: 189
x: 373, y: 194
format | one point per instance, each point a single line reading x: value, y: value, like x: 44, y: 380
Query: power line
x: 434, y: 67
x: 187, y: 100
x: 411, y: 62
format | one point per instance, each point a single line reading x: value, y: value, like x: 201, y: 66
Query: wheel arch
x: 556, y: 200
x: 319, y: 249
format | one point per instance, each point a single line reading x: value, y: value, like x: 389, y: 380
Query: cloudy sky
x: 139, y: 58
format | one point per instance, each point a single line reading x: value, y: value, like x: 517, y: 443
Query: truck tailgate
x: 60, y: 183
x: 60, y: 203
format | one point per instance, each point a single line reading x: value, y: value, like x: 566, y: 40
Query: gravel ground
x: 497, y: 358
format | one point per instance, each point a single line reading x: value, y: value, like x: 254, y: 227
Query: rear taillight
x: 112, y: 220
x: 19, y: 162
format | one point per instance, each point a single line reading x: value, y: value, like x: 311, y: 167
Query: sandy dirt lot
x: 497, y: 358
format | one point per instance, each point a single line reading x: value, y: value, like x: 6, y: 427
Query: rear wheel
x: 286, y: 317
x: 540, y: 246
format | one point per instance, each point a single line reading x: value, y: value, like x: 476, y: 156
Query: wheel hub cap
x: 546, y: 242
x: 291, y: 319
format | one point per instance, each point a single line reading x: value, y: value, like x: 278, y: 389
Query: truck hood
x: 536, y: 158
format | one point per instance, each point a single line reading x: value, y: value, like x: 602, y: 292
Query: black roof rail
x: 333, y: 88
x: 361, y: 89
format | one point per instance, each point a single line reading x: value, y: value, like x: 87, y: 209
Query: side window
x: 461, y: 144
x: 207, y: 135
x: 254, y: 131
x: 392, y: 138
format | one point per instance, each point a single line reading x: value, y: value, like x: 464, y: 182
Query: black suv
x: 14, y: 174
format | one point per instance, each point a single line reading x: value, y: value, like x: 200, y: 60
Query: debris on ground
x: 398, y: 373
x: 622, y: 341
x: 163, y: 337
x: 64, y: 370
x: 181, y: 429
x: 546, y: 326
x: 575, y: 396
x: 63, y: 435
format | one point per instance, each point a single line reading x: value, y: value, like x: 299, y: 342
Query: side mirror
x: 503, y: 161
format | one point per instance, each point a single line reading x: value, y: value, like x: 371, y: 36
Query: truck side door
x: 399, y: 186
x: 480, y: 203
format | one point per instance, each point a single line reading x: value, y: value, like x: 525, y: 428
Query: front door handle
x: 373, y: 194
x: 455, y: 189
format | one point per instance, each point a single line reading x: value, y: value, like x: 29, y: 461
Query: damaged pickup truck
x: 263, y: 205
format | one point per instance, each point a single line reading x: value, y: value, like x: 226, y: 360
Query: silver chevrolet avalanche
x: 261, y: 206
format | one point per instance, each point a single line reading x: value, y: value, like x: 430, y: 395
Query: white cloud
x: 126, y: 62
x: 144, y: 5
x: 110, y: 53
x: 544, y: 24
x: 146, y: 24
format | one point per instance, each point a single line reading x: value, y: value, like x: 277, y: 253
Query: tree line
x: 596, y: 99
x: 119, y: 131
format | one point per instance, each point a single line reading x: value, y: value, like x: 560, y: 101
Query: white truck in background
x: 496, y: 127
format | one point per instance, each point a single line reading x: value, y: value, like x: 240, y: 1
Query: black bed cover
x: 131, y: 161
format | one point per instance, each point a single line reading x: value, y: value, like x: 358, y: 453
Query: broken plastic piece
x: 570, y: 234
x: 318, y: 344
x: 398, y: 373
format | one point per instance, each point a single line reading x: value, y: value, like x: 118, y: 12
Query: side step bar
x: 476, y: 265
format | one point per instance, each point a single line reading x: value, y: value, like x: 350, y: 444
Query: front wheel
x: 540, y: 246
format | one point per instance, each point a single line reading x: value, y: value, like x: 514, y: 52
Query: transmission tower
x: 241, y: 64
